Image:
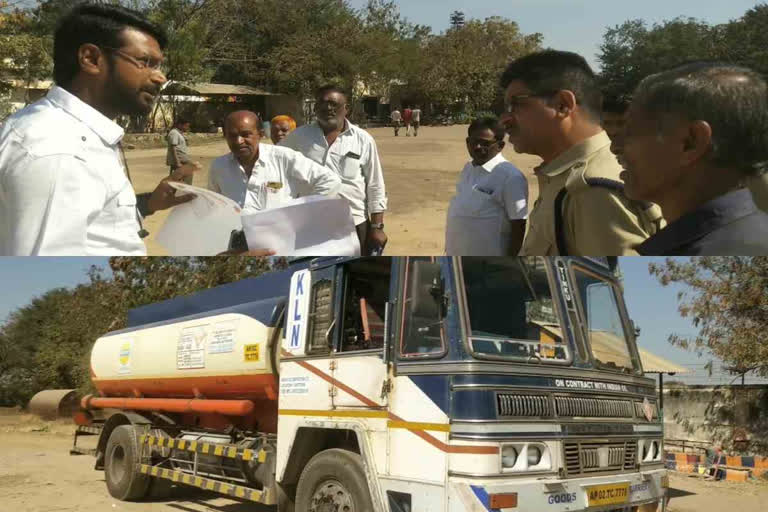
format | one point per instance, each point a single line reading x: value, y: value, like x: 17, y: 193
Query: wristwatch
x: 377, y: 226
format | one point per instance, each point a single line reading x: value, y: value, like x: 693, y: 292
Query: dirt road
x: 37, y: 474
x: 420, y: 174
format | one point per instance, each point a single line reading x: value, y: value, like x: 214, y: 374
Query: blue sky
x: 575, y: 25
x: 653, y: 307
x: 23, y: 279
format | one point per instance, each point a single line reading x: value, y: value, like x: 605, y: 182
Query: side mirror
x: 427, y: 290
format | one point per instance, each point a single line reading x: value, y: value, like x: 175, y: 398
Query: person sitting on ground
x: 261, y: 176
x: 280, y: 127
x: 693, y: 136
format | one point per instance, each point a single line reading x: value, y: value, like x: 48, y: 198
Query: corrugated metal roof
x: 656, y: 364
x: 208, y: 89
x: 608, y: 346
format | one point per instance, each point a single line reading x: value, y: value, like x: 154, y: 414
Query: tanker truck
x: 461, y: 384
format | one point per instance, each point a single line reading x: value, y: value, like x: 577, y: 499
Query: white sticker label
x: 223, y: 337
x: 294, y: 385
x: 586, y: 384
x: 124, y: 359
x: 190, y: 352
x: 298, y: 309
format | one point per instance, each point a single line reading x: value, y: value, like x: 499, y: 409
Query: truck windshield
x: 607, y: 337
x: 511, y: 311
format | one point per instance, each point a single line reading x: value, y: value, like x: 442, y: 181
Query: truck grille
x: 523, y: 405
x: 589, y: 456
x: 593, y: 407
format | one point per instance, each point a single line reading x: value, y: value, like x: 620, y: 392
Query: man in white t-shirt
x: 397, y: 121
x: 416, y: 120
x: 487, y: 215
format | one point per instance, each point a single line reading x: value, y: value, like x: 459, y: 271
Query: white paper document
x: 201, y: 227
x: 308, y: 226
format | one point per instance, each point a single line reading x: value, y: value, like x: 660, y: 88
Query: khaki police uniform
x: 758, y: 185
x: 597, y: 221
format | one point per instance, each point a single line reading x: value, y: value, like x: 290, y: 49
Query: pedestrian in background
x: 178, y: 150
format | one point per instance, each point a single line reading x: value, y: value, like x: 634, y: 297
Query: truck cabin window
x: 424, y: 309
x: 366, y: 292
x: 511, y: 311
x: 607, y: 337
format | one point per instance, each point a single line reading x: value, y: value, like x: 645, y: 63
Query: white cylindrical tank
x: 223, y: 356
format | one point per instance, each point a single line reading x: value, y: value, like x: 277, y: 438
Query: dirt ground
x: 37, y: 474
x: 420, y: 175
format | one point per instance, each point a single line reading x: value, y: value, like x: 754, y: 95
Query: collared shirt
x: 279, y: 175
x: 758, y: 186
x: 730, y: 225
x: 487, y: 198
x: 63, y: 187
x: 597, y: 221
x: 177, y: 141
x: 354, y: 157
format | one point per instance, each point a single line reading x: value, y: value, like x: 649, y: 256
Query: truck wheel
x: 334, y: 480
x: 124, y: 481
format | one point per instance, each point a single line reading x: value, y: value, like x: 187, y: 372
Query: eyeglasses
x: 513, y: 103
x: 330, y: 104
x: 141, y: 63
x: 483, y: 143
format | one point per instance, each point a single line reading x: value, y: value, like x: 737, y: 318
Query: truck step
x: 208, y: 484
x: 229, y: 451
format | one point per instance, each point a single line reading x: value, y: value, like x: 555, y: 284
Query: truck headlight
x: 508, y: 456
x: 523, y: 457
x: 534, y: 455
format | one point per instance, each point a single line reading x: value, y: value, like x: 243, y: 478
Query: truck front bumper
x: 644, y: 491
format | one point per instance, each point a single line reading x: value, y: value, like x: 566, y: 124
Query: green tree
x: 631, y: 51
x: 26, y: 53
x: 462, y: 67
x: 745, y: 40
x: 726, y: 298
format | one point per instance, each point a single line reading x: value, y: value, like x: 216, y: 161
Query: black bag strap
x: 559, y: 229
x: 615, y: 186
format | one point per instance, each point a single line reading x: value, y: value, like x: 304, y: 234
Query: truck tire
x: 334, y: 480
x: 124, y: 481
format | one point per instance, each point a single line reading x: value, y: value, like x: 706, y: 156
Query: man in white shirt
x: 397, y: 121
x: 351, y: 152
x: 261, y: 176
x: 64, y: 188
x: 487, y: 215
x: 416, y: 120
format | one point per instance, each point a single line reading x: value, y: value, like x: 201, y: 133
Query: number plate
x: 608, y: 494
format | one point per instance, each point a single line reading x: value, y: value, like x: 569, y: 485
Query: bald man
x: 260, y: 176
